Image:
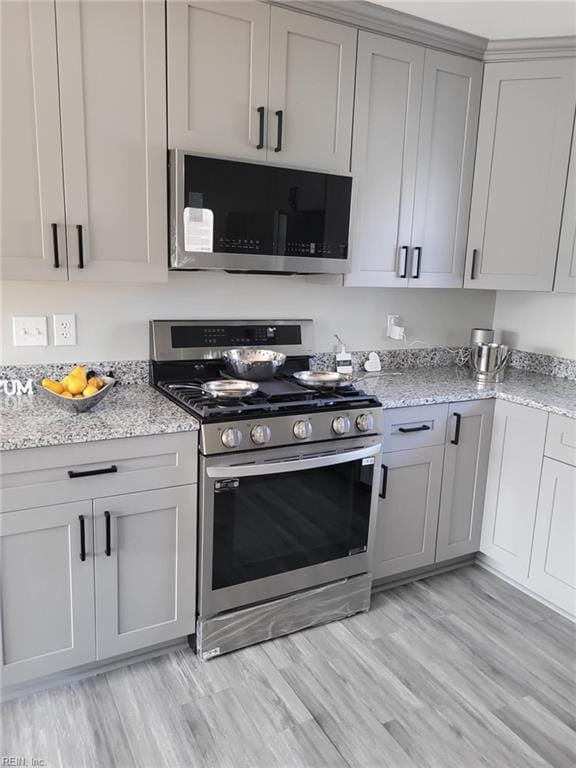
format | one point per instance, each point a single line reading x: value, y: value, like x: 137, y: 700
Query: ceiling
x: 497, y: 19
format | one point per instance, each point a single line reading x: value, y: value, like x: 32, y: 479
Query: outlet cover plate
x: 29, y: 331
x: 64, y: 330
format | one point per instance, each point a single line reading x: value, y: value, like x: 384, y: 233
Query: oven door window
x: 271, y: 524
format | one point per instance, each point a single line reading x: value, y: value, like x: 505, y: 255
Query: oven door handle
x: 291, y: 465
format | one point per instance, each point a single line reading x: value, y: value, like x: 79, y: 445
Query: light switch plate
x: 64, y: 330
x: 29, y: 331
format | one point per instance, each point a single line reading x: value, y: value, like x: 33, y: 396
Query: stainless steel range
x: 288, y: 484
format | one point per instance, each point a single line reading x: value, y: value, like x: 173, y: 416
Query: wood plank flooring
x: 456, y: 671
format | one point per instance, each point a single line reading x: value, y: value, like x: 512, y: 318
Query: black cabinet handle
x: 260, y: 144
x: 404, y: 256
x: 382, y: 493
x: 82, y: 537
x: 280, y: 116
x: 108, y: 535
x: 405, y: 430
x: 456, y: 438
x: 417, y: 256
x: 80, y: 246
x: 474, y: 260
x: 55, y: 246
x: 89, y: 472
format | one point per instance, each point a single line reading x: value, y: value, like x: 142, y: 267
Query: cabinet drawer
x: 414, y: 427
x: 58, y: 474
x: 561, y: 439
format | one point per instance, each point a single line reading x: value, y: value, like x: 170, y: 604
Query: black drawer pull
x: 384, y: 490
x: 260, y: 144
x: 280, y: 116
x: 90, y: 472
x: 80, y: 247
x: 405, y: 430
x: 456, y: 438
x: 108, y: 535
x: 55, y: 245
x: 474, y: 260
x: 82, y: 538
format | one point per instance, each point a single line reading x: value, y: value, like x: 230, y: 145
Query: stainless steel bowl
x: 229, y: 389
x: 80, y: 404
x: 253, y: 364
x: 322, y: 379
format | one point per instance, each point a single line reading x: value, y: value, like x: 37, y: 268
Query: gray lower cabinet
x: 408, y: 510
x: 464, y: 478
x: 552, y: 564
x: 516, y: 453
x: 47, y: 591
x: 145, y: 568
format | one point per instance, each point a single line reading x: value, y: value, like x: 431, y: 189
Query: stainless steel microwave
x: 249, y: 217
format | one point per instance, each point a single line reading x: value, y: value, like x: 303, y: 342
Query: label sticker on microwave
x: 368, y: 462
x: 198, y: 229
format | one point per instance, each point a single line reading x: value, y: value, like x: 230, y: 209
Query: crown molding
x: 377, y: 18
x: 531, y: 48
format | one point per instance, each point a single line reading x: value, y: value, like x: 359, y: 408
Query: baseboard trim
x: 90, y: 670
x: 489, y: 565
x: 389, y: 582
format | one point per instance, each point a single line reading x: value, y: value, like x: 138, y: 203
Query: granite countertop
x: 422, y: 386
x: 130, y: 410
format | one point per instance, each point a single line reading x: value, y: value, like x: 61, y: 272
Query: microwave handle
x: 291, y: 465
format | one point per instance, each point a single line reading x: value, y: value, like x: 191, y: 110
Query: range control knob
x: 302, y: 430
x: 260, y: 434
x: 365, y: 422
x: 341, y: 425
x: 231, y: 437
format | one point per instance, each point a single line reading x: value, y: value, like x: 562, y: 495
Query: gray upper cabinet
x: 384, y: 153
x: 31, y: 187
x: 446, y: 150
x: 312, y: 65
x: 464, y: 478
x: 520, y: 175
x: 415, y: 123
x: 218, y: 77
x: 408, y: 510
x: 145, y: 565
x: 565, y: 280
x: 47, y: 591
x: 113, y: 104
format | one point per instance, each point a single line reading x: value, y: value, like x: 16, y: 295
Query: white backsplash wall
x: 112, y: 319
x: 537, y: 322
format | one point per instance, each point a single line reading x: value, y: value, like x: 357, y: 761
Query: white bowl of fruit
x: 79, y: 390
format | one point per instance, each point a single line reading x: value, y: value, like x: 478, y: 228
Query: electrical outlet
x: 29, y: 332
x: 392, y: 320
x: 64, y: 330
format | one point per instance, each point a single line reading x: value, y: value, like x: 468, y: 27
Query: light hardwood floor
x: 459, y: 670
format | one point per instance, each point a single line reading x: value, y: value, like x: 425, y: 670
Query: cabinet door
x: 520, y: 174
x: 145, y: 555
x: 218, y: 77
x: 384, y: 153
x: 516, y: 452
x: 446, y: 148
x: 565, y: 280
x: 408, y: 510
x: 312, y: 66
x: 464, y: 478
x: 553, y: 566
x: 47, y: 617
x: 31, y: 190
x: 112, y: 86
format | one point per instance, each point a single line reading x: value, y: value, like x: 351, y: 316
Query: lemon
x: 53, y: 386
x: 66, y: 394
x: 74, y: 385
x: 90, y: 390
x: 96, y: 381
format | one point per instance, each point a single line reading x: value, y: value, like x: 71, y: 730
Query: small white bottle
x: 343, y: 358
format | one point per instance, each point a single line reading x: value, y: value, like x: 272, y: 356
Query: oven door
x: 278, y: 521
